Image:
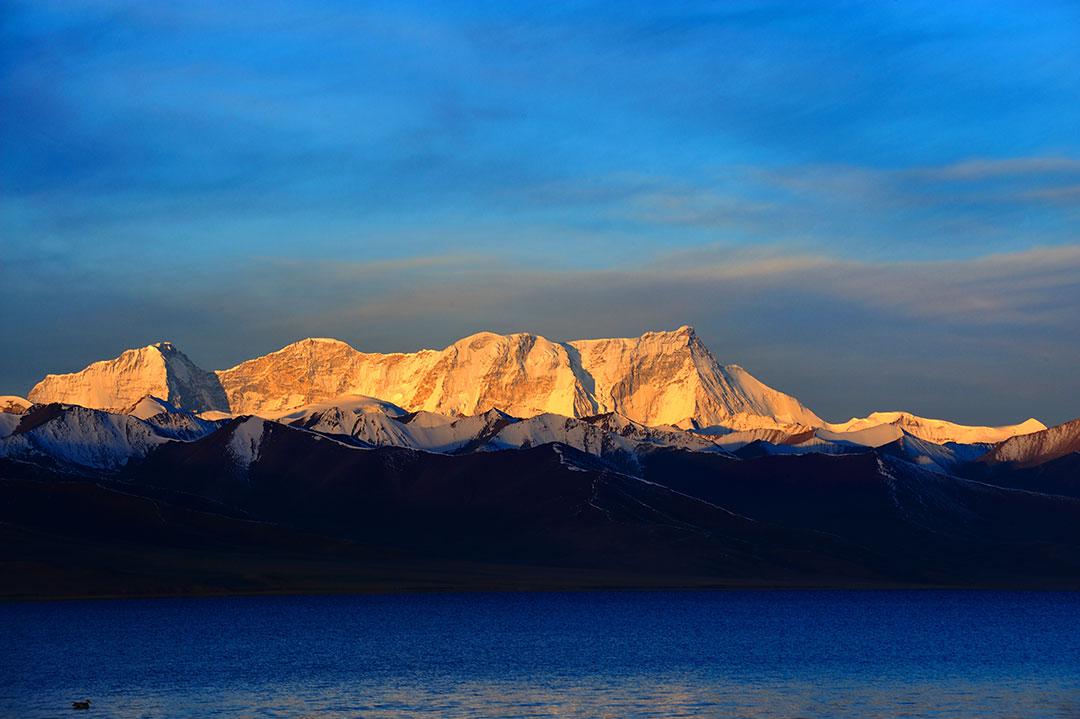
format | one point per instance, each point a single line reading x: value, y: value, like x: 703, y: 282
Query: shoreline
x: 548, y: 588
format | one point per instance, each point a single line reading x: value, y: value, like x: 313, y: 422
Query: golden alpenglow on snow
x: 657, y: 379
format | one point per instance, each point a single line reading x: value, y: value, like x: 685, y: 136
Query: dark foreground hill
x: 263, y: 507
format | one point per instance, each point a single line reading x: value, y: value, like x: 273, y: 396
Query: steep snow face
x: 521, y: 374
x: 245, y: 442
x: 601, y: 435
x: 303, y: 373
x: 12, y: 404
x: 938, y: 458
x: 813, y: 445
x: 732, y: 441
x: 439, y: 433
x: 370, y: 421
x: 150, y: 406
x: 169, y: 421
x: 340, y: 415
x: 379, y: 424
x: 1039, y: 447
x: 79, y: 436
x: 872, y: 436
x: 660, y: 378
x: 115, y: 385
x: 670, y: 378
x: 937, y: 431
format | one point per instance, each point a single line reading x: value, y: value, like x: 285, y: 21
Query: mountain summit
x: 659, y: 378
x: 656, y: 379
x: 159, y: 369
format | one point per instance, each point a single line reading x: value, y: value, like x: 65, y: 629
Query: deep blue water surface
x: 654, y: 654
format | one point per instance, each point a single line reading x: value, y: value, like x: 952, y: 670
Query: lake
x: 620, y: 654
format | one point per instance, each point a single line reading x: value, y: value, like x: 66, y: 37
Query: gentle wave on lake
x: 631, y: 654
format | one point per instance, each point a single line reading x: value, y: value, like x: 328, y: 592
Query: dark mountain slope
x: 929, y: 525
x: 261, y: 506
x: 545, y: 505
x: 1059, y: 476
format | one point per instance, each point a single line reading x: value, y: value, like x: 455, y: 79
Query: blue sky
x: 872, y: 205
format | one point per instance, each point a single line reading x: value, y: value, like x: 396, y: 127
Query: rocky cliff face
x: 159, y: 369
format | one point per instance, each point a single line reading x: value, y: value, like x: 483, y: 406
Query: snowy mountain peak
x: 686, y: 331
x: 150, y: 406
x: 75, y: 435
x: 245, y: 441
x: 663, y: 378
x: 938, y: 431
x: 659, y: 378
x: 158, y: 369
x: 299, y: 374
x: 683, y: 335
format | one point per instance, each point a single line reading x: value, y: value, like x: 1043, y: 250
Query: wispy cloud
x: 985, y: 168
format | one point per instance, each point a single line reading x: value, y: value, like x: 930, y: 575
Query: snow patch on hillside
x: 246, y: 441
x: 80, y: 436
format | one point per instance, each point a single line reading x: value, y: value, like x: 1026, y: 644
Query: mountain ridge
x: 667, y: 378
x: 1038, y: 447
x: 659, y: 378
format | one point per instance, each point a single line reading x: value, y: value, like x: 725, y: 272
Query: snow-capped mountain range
x: 80, y: 438
x: 661, y: 379
x: 642, y: 456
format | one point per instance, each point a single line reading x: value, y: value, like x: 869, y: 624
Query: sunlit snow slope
x: 657, y: 379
